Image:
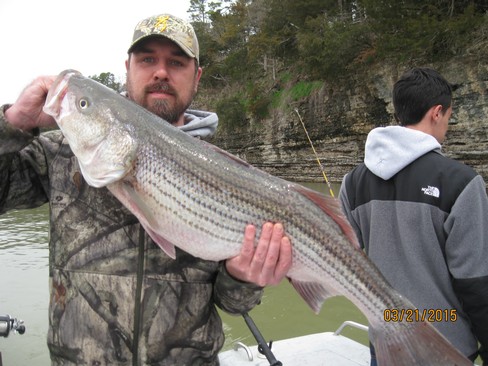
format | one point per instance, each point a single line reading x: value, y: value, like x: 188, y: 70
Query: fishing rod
x: 315, y: 152
x: 263, y: 347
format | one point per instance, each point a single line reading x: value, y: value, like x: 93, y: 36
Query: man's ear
x: 437, y: 112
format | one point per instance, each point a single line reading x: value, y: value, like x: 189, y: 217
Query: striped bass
x: 190, y: 194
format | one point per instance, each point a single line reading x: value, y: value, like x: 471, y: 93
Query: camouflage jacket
x: 116, y: 298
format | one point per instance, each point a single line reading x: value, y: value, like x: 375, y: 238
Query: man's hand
x: 269, y: 262
x: 26, y: 113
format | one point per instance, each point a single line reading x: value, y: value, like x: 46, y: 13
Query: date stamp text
x: 420, y: 315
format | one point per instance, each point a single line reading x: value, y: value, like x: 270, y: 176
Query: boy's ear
x: 437, y: 111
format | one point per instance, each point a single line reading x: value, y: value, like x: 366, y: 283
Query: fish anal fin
x: 331, y: 207
x: 313, y: 293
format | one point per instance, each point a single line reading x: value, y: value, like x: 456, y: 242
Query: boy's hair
x: 417, y: 91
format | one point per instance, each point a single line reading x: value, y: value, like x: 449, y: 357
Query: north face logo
x: 431, y: 191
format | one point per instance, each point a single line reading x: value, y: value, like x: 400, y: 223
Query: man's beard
x: 162, y: 108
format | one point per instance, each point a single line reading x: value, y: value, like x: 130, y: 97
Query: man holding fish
x: 116, y: 297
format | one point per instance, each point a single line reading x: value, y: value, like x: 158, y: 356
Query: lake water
x: 24, y: 285
x: 25, y: 295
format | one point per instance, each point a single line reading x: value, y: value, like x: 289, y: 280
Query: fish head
x: 84, y: 112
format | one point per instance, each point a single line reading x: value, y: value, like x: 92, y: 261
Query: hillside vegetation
x: 259, y: 54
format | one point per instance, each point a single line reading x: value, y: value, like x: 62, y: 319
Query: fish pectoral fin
x: 148, y: 221
x: 313, y: 293
x: 126, y: 194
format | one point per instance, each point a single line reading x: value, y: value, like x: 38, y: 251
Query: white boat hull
x: 328, y: 348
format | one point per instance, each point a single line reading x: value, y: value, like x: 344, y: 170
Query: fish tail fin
x: 417, y: 343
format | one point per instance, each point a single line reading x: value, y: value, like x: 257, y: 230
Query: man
x: 422, y: 217
x: 116, y: 298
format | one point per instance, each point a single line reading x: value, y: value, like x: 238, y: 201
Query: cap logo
x: 162, y: 23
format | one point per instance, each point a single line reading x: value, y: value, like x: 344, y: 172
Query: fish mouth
x: 57, y: 92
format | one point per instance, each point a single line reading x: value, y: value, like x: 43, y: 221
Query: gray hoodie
x: 200, y: 123
x: 423, y: 220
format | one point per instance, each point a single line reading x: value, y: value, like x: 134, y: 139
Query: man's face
x: 162, y: 78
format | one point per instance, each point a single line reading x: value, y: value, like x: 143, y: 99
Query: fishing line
x: 316, y: 155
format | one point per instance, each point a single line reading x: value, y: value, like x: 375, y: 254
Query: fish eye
x: 83, y: 103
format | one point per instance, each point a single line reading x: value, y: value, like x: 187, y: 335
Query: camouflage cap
x: 165, y: 25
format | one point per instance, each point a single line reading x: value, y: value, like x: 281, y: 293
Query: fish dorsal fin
x: 332, y: 208
x: 227, y: 154
x: 313, y: 293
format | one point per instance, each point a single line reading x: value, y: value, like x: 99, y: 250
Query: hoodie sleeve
x: 466, y: 253
x: 473, y: 293
x: 346, y: 207
x: 467, y: 232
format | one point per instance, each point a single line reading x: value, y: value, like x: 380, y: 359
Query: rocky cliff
x: 339, y: 116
